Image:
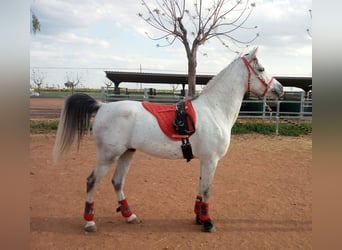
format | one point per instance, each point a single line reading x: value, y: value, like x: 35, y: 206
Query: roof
x: 117, y: 77
x: 303, y: 82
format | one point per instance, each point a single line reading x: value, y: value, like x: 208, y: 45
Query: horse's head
x: 259, y: 82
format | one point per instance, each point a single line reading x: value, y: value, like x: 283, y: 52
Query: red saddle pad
x: 166, y: 114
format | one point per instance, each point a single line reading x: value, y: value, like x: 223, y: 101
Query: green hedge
x: 43, y: 126
x: 240, y: 127
x: 267, y: 128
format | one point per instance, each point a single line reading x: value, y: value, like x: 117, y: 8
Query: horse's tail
x: 75, y: 116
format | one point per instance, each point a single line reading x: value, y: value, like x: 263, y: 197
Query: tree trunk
x: 192, y: 64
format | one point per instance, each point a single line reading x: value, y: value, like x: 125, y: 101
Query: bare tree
x: 38, y: 79
x: 72, y: 82
x: 108, y: 83
x: 174, y: 87
x: 201, y: 23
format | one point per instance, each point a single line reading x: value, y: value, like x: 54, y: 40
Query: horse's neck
x: 225, y: 92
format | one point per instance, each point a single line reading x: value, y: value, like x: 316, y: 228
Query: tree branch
x: 176, y: 22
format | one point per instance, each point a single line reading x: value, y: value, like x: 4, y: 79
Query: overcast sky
x: 87, y: 37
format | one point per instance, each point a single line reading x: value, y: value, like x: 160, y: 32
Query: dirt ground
x: 261, y: 198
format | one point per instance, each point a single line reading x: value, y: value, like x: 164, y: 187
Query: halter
x: 262, y: 80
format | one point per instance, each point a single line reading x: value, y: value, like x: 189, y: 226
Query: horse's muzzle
x: 277, y: 89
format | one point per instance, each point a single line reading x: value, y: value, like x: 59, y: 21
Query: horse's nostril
x: 278, y: 92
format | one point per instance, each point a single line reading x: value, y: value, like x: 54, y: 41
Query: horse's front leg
x: 207, y: 171
x: 118, y: 181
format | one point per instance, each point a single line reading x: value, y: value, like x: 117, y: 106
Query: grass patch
x: 267, y: 128
x: 43, y: 126
x: 240, y: 127
x: 293, y: 129
x: 253, y: 127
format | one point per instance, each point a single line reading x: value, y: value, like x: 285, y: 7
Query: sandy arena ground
x: 261, y: 198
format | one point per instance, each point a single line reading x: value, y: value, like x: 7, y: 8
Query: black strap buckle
x: 187, y: 150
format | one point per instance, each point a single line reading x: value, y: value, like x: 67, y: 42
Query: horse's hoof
x: 90, y: 227
x: 198, y: 220
x: 133, y: 219
x: 208, y: 226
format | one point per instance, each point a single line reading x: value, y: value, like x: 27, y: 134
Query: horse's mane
x: 220, y: 75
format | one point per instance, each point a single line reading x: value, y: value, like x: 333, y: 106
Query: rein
x: 262, y: 80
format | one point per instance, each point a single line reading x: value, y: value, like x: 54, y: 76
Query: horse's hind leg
x: 207, y: 171
x: 118, y: 181
x: 93, y: 179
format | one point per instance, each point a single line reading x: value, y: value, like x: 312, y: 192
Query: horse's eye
x: 261, y: 69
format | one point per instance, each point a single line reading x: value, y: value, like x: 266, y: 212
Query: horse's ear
x: 253, y: 52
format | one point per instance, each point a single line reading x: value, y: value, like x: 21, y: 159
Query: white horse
x: 120, y: 128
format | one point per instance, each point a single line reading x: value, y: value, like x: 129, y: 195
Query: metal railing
x: 287, y: 109
x: 250, y: 109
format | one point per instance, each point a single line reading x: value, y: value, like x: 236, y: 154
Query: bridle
x: 262, y: 80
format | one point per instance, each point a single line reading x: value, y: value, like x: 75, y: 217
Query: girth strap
x: 180, y: 124
x: 182, y: 127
